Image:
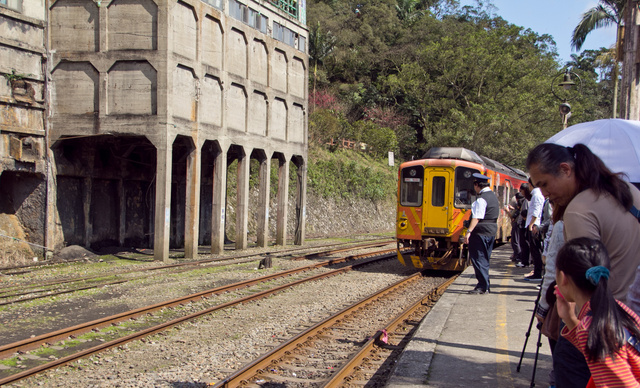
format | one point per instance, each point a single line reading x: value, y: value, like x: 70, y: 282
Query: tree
x: 605, y: 14
x: 481, y: 84
x: 408, y: 10
x: 321, y: 44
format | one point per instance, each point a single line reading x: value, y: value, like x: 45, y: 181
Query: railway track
x: 12, y: 294
x: 350, y: 348
x: 48, y: 340
x: 27, y: 268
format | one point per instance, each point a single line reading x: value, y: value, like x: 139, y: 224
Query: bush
x: 350, y: 175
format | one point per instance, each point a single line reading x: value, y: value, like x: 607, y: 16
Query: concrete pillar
x: 242, y: 204
x: 301, y: 203
x: 163, y: 201
x: 283, y: 194
x: 86, y: 205
x: 52, y: 200
x: 218, y: 208
x: 192, y: 207
x: 263, y: 202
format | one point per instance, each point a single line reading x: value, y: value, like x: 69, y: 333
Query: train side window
x: 501, y: 196
x: 411, y: 185
x: 464, y: 194
x: 437, y: 191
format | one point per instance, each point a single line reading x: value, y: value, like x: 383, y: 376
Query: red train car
x: 435, y: 195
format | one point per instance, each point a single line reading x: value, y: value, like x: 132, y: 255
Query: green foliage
x: 350, y: 175
x: 379, y: 140
x: 15, y: 76
x: 460, y: 77
x: 325, y: 125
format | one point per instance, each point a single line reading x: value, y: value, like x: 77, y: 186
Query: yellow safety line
x: 502, y: 338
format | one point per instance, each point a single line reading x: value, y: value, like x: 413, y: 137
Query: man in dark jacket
x: 482, y: 231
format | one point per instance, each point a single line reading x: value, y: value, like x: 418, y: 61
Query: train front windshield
x: 464, y: 192
x: 411, y: 186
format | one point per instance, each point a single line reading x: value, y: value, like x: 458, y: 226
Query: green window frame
x: 288, y: 6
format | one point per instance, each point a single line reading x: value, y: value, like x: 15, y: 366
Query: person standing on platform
x: 513, y: 208
x: 482, y: 231
x: 534, y: 216
x: 593, y: 202
x: 525, y: 192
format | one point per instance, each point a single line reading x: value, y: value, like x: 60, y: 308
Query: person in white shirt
x: 534, y: 215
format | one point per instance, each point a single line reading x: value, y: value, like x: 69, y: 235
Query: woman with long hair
x: 593, y: 202
x: 603, y: 325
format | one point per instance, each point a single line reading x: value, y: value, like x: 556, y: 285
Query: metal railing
x: 288, y: 6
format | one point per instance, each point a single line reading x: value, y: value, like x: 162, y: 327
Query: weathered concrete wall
x: 22, y: 129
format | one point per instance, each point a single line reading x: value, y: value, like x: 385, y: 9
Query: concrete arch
x: 104, y: 191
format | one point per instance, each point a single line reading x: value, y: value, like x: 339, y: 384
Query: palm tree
x: 605, y: 14
x: 408, y: 10
x: 321, y: 44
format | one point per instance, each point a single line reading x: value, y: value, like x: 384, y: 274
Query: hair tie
x: 594, y: 274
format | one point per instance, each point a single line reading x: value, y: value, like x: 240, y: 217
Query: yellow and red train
x: 435, y: 195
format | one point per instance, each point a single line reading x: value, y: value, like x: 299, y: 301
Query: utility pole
x: 630, y: 108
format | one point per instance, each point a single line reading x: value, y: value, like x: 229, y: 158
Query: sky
x: 557, y: 18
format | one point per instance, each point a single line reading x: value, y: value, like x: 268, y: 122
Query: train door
x: 437, y: 205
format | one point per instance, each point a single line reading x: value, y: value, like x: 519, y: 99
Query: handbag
x: 551, y: 325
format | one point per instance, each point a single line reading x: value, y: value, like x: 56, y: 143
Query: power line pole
x: 631, y: 62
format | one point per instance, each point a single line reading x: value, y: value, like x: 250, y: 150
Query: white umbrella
x: 615, y: 141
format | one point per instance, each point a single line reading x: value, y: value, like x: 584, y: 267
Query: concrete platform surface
x: 477, y: 340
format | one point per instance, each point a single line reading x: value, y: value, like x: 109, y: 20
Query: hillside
x: 349, y: 192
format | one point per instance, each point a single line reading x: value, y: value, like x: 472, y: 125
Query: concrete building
x: 23, y: 164
x: 152, y: 100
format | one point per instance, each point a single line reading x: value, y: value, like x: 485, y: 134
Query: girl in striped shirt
x: 604, y: 327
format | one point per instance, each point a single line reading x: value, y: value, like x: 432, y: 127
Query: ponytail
x: 591, y: 172
x: 586, y: 262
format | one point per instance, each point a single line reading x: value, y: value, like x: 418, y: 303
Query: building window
x: 258, y: 21
x: 238, y: 11
x: 13, y: 4
x: 278, y: 31
x: 288, y: 6
x: 216, y: 3
x: 284, y: 34
x: 302, y: 43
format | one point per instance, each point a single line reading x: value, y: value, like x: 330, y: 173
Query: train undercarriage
x: 433, y: 253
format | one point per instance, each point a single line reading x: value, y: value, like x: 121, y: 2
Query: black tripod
x: 539, y: 344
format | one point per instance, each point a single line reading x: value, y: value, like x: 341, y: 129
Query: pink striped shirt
x: 621, y: 371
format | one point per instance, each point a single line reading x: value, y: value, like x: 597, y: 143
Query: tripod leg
x: 526, y: 339
x: 533, y: 316
x: 535, y: 361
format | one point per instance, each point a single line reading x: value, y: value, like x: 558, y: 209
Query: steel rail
x: 257, y: 366
x: 45, y: 264
x: 32, y: 343
x: 217, y: 261
x: 350, y: 367
x: 37, y: 341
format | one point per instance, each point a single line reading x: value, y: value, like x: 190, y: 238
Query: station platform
x: 472, y: 340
